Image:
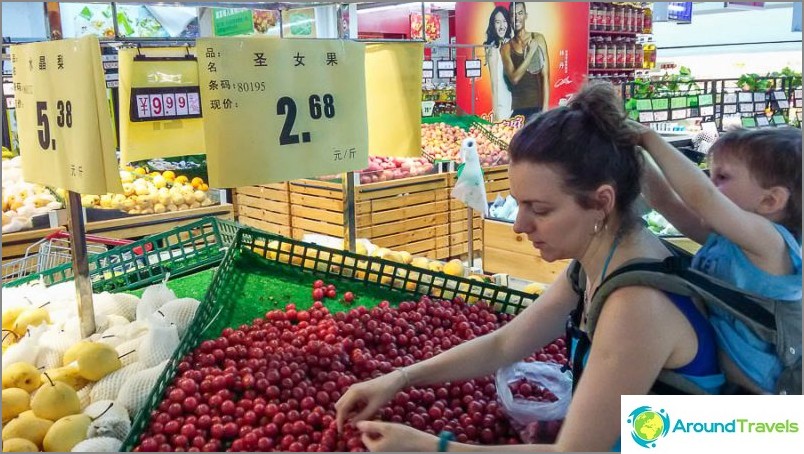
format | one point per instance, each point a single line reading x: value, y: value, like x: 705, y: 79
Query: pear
x: 10, y: 316
x: 30, y: 428
x: 67, y: 432
x: 67, y: 374
x: 97, y: 361
x: 30, y: 317
x: 71, y: 354
x: 19, y: 445
x: 9, y: 338
x: 14, y: 402
x: 21, y: 375
x: 55, y: 400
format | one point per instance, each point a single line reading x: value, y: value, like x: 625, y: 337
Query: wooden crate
x: 266, y: 207
x: 134, y: 227
x: 507, y: 252
x: 411, y: 214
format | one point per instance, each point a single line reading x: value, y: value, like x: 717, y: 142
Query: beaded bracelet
x: 443, y: 440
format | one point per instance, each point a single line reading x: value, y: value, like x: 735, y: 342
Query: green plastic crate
x: 179, y: 251
x: 254, y: 252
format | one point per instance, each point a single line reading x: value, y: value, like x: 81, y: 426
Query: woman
x: 576, y: 174
x: 498, y: 33
x: 527, y: 67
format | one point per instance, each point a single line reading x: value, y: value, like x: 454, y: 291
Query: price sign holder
x: 427, y: 69
x: 473, y: 69
x: 65, y: 131
x: 292, y: 109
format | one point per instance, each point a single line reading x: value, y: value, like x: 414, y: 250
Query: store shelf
x: 613, y: 70
x: 613, y: 33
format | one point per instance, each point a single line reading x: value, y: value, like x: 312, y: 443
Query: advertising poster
x: 534, y: 56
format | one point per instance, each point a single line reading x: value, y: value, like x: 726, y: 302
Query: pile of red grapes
x: 526, y: 390
x: 272, y: 385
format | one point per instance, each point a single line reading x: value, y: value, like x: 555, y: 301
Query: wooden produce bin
x: 411, y: 214
x: 507, y: 252
x: 265, y: 207
x: 133, y: 227
x: 497, y: 183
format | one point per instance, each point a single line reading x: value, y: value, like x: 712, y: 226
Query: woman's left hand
x: 391, y: 437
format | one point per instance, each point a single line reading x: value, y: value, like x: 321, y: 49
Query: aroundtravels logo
x: 648, y: 425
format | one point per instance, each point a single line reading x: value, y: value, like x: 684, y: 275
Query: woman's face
x: 548, y: 214
x: 500, y: 25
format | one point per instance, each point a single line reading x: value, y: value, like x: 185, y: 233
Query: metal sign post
x: 78, y: 246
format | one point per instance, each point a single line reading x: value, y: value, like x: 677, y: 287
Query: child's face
x: 733, y: 179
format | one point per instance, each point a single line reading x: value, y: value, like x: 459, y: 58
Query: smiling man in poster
x: 526, y: 62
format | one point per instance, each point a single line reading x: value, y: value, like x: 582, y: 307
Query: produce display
x: 659, y: 225
x: 271, y: 385
x: 387, y: 169
x: 64, y: 393
x: 442, y: 141
x: 154, y: 192
x: 22, y: 201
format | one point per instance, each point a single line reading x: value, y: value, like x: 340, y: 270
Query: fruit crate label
x: 661, y: 104
x: 65, y: 127
x: 679, y: 114
x: 278, y: 110
x: 705, y: 100
x: 746, y: 97
x: 678, y: 103
x: 643, y: 104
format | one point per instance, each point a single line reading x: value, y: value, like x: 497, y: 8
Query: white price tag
x: 645, y: 117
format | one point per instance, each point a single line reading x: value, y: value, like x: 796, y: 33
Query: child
x: 748, y: 219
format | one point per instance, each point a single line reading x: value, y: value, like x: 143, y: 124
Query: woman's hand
x: 373, y: 394
x: 390, y: 437
x: 641, y: 132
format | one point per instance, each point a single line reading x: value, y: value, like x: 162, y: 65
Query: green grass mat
x: 192, y: 286
x: 259, y: 285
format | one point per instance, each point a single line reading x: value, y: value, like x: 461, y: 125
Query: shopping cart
x: 54, y: 250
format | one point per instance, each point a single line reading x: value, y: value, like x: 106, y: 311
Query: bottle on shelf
x: 593, y: 9
x: 611, y: 53
x: 600, y: 17
x: 647, y: 24
x: 608, y: 21
x: 600, y: 53
x: 649, y: 52
x: 639, y: 20
x: 592, y: 53
x: 639, y: 54
x: 621, y: 52
x: 617, y: 18
x: 630, y: 48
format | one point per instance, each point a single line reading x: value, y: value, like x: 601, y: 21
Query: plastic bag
x: 99, y: 444
x: 470, y: 187
x: 537, y: 411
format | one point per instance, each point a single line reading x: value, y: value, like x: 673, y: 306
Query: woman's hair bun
x: 603, y: 107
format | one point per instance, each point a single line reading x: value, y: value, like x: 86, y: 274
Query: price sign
x: 277, y: 110
x: 427, y: 108
x: 643, y: 104
x: 705, y: 100
x: 759, y: 97
x: 160, y: 104
x: 661, y: 104
x: 707, y: 111
x: 678, y: 103
x: 779, y: 120
x: 762, y: 121
x: 746, y: 96
x: 748, y: 122
x: 679, y: 114
x: 445, y: 69
x: 65, y: 128
x: 427, y: 69
x: 646, y: 117
x: 660, y: 115
x: 473, y: 70
x: 730, y: 98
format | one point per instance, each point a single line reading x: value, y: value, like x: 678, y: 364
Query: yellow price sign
x: 277, y: 110
x: 65, y: 128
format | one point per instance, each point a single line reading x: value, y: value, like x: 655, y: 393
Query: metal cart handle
x: 63, y: 234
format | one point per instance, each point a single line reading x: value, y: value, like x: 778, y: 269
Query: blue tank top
x: 722, y: 259
x: 703, y: 370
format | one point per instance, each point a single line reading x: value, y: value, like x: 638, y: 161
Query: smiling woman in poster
x: 526, y: 66
x: 498, y: 33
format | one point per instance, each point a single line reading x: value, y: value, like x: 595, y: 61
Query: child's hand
x: 640, y: 131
